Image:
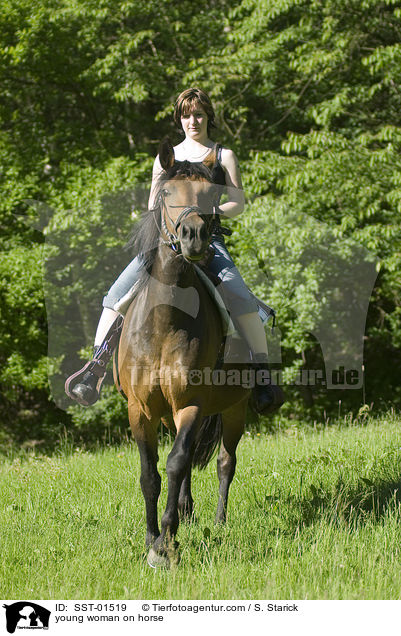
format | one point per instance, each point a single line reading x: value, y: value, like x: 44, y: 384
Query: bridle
x: 173, y: 239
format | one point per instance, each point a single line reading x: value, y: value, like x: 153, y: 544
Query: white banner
x: 166, y: 617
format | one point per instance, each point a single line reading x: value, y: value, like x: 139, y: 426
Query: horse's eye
x: 165, y: 192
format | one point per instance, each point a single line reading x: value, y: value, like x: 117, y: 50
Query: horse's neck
x: 173, y: 285
x: 171, y: 269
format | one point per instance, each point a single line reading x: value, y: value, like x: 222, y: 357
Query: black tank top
x: 218, y: 174
x: 219, y: 178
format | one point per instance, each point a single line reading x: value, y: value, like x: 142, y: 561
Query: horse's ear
x: 166, y: 154
x: 210, y: 159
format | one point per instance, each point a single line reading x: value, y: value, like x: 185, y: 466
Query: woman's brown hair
x: 188, y: 100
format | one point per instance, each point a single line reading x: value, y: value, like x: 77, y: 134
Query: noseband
x: 173, y: 239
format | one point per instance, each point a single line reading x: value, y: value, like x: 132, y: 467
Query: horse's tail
x: 207, y: 440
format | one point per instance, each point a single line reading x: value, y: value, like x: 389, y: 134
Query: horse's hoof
x: 187, y: 516
x: 156, y: 560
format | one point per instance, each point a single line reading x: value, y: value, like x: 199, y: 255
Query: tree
x: 311, y: 91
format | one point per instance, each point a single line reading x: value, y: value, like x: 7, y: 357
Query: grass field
x: 312, y: 515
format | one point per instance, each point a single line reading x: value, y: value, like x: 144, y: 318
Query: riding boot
x: 266, y: 396
x: 84, y: 386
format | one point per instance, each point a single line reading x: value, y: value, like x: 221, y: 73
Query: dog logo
x: 26, y: 615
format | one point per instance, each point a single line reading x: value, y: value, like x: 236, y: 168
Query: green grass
x: 312, y: 515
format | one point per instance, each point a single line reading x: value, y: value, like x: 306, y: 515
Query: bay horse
x: 172, y: 331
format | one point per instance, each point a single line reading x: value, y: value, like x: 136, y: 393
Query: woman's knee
x: 124, y: 282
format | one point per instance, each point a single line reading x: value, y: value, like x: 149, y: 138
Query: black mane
x: 187, y: 169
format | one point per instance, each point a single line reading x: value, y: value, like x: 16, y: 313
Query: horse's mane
x: 144, y: 239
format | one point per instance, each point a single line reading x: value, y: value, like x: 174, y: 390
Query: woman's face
x: 194, y: 123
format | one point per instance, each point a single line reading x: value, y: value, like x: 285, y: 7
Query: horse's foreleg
x: 233, y: 427
x: 145, y: 434
x: 185, y: 501
x: 177, y: 467
x: 150, y: 484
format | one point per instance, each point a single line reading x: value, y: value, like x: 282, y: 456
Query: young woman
x: 193, y: 113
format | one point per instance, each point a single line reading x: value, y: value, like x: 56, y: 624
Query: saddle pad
x: 228, y: 325
x: 265, y: 312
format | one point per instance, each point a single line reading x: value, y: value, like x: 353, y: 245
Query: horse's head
x: 187, y: 199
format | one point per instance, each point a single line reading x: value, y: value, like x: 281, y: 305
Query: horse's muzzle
x: 194, y: 239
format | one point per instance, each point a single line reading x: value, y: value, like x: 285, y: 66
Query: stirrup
x: 98, y: 372
x: 96, y: 366
x: 274, y: 399
x: 266, y: 398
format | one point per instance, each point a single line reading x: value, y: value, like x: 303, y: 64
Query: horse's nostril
x: 188, y: 232
x: 203, y: 234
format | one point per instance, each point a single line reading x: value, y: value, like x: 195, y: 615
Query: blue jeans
x: 234, y: 292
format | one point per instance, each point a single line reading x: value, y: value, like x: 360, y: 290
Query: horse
x: 172, y: 332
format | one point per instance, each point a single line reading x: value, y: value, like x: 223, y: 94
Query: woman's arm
x: 235, y: 193
x: 157, y: 170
